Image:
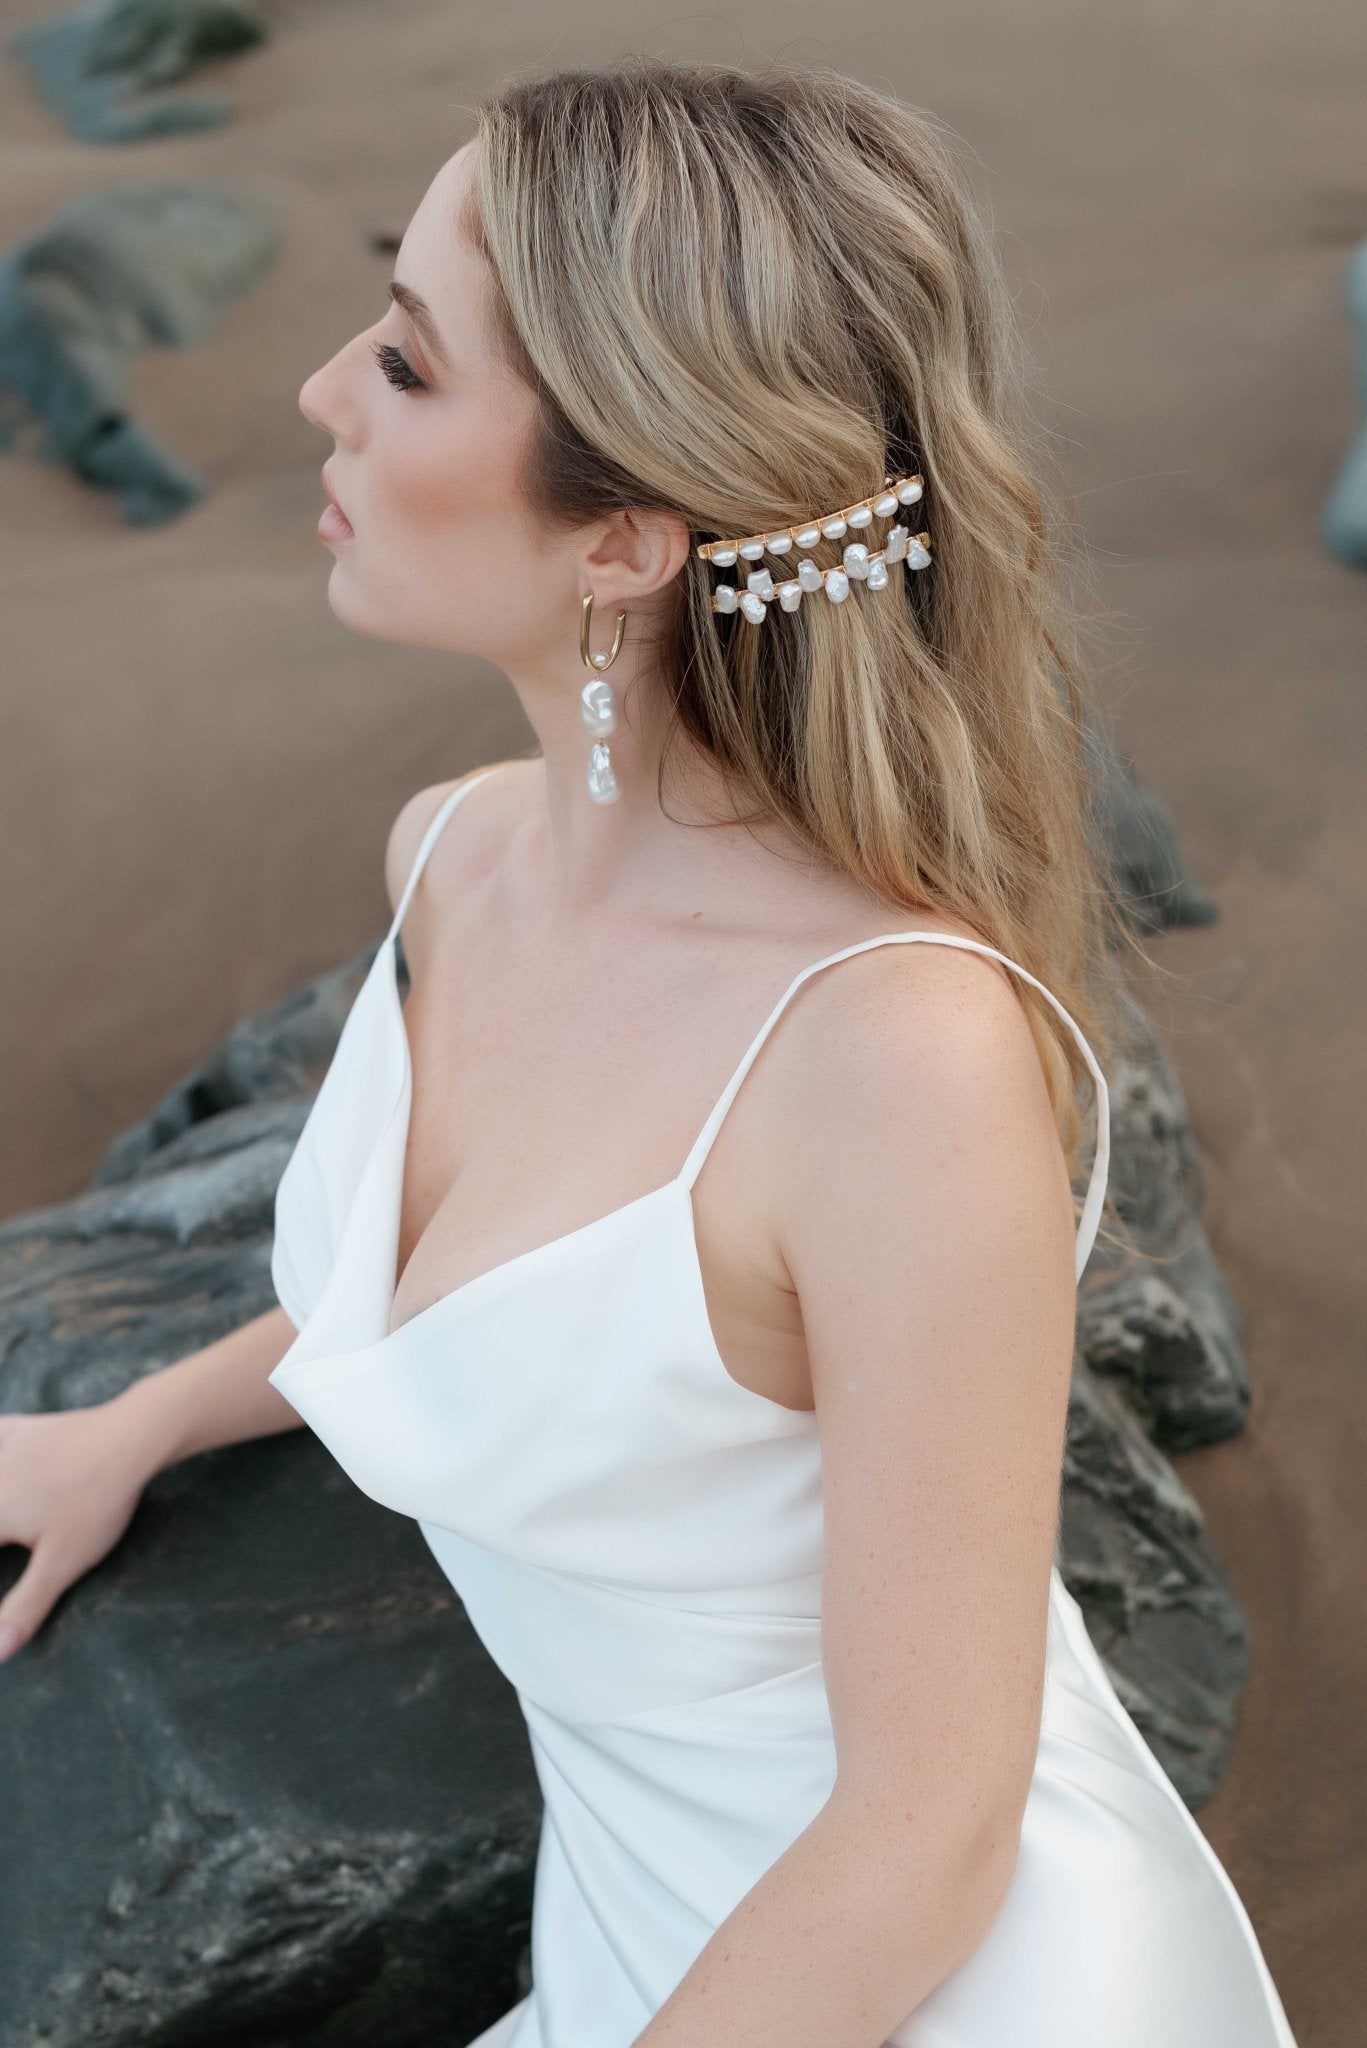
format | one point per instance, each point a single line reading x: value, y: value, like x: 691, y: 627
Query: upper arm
x: 928, y: 1231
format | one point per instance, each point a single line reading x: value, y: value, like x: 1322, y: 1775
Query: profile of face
x: 429, y: 427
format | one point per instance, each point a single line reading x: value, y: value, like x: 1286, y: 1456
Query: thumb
x: 29, y: 1601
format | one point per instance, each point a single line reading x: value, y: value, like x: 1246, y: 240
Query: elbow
x: 948, y: 1878
x: 989, y: 1855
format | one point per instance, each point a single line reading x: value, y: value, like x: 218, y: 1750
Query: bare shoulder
x: 934, y: 1009
x: 913, y: 1070
x: 510, y: 782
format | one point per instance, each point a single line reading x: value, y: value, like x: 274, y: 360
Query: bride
x: 693, y: 1254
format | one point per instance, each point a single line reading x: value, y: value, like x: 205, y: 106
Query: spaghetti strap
x: 428, y: 841
x: 1096, y: 1186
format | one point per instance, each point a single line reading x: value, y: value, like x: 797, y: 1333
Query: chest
x: 540, y: 1107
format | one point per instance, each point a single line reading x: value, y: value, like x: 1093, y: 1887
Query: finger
x: 30, y: 1600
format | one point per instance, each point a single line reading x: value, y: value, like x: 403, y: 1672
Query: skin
x: 884, y: 1225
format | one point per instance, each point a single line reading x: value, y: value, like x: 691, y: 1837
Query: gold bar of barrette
x: 708, y: 549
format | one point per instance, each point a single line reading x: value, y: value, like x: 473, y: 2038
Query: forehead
x: 436, y: 259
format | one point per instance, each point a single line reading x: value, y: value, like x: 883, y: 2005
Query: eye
x: 396, y: 367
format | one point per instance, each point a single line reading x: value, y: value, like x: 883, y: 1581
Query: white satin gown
x: 636, y: 1538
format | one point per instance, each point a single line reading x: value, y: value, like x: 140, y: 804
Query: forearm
x: 839, y: 1941
x: 218, y: 1395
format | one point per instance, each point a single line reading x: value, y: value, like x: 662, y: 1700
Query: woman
x: 746, y: 1470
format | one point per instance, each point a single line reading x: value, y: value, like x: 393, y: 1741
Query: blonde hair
x: 747, y: 299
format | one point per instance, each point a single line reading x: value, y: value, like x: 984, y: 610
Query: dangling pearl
x: 603, y: 786
x: 878, y: 573
x: 790, y: 596
x: 808, y: 575
x: 598, y: 707
x: 837, y: 585
x: 724, y: 597
x: 895, y: 546
x: 917, y: 556
x: 753, y: 607
x: 761, y: 582
x: 856, y: 559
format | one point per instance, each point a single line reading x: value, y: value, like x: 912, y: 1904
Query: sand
x: 200, y: 763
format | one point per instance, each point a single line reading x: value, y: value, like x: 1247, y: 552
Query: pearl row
x: 859, y: 566
x: 905, y: 490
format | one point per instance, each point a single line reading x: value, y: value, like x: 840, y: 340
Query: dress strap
x: 428, y: 841
x: 1096, y: 1186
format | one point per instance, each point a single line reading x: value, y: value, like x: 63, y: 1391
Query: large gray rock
x: 263, y: 1783
x: 1154, y: 1314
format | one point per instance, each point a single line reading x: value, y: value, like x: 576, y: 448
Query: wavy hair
x: 745, y: 298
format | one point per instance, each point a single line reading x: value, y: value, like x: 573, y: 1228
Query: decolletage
x: 374, y: 1045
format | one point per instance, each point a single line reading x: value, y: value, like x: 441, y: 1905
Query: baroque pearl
x: 724, y: 597
x: 722, y: 558
x: 807, y: 536
x: 856, y: 559
x: 808, y: 575
x: 752, y: 606
x: 598, y: 707
x: 779, y: 543
x: 908, y: 492
x: 895, y: 546
x: 837, y: 585
x: 833, y: 528
x: 860, y: 515
x: 917, y: 556
x: 885, y: 505
x: 790, y: 595
x: 878, y: 573
x: 761, y: 582
x: 603, y: 785
x: 751, y: 550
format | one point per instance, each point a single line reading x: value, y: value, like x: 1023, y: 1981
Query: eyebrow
x: 420, y: 313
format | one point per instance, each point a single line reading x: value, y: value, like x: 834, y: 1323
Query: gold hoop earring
x: 598, y: 706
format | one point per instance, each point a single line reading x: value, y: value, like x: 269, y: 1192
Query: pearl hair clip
x: 858, y: 564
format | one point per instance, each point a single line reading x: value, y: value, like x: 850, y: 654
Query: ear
x: 635, y: 552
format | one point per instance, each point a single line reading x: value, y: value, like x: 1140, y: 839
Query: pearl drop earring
x: 598, y: 707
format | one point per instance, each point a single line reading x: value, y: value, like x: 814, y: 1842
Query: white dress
x: 636, y: 1538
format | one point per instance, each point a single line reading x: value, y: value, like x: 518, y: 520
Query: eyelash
x: 396, y: 367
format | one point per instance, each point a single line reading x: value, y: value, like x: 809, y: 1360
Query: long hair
x: 748, y: 298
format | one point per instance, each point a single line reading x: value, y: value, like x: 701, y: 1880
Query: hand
x: 69, y: 1484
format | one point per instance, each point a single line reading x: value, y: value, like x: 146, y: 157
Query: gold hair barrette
x: 858, y: 564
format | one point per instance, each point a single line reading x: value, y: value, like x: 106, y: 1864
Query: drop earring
x: 598, y: 707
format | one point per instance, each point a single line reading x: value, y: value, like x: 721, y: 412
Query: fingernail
x: 10, y: 1640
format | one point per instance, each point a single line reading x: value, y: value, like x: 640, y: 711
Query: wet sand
x: 200, y: 763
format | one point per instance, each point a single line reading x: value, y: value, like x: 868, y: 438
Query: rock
x: 1136, y: 839
x: 263, y: 1782
x: 1134, y: 1554
x: 1154, y: 1313
x: 104, y: 67
x: 109, y: 273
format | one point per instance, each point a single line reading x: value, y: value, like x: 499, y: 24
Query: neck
x: 631, y: 856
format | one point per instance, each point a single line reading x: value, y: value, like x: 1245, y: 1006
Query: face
x: 429, y: 429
